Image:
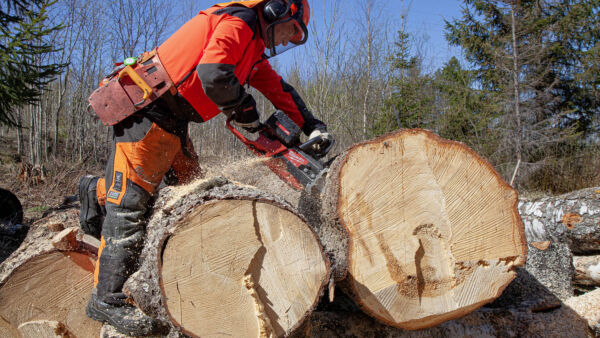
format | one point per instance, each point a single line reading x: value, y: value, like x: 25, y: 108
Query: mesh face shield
x: 280, y: 15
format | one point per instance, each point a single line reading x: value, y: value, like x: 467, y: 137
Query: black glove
x: 246, y: 116
x: 321, y: 148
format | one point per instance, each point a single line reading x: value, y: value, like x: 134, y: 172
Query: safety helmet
x: 277, y: 12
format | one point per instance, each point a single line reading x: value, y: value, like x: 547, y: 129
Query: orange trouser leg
x: 142, y: 154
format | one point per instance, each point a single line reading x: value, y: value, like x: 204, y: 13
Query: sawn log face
x: 433, y: 230
x: 222, y: 257
x: 41, y: 282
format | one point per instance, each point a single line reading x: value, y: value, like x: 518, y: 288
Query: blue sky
x: 427, y: 17
x: 424, y: 20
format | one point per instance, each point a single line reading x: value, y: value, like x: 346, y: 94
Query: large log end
x: 434, y: 232
x: 242, y: 267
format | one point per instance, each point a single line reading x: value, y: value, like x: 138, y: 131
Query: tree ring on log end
x: 241, y: 268
x: 53, y: 286
x: 434, y: 230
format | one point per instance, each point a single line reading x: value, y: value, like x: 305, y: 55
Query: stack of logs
x: 563, y: 233
x: 416, y: 230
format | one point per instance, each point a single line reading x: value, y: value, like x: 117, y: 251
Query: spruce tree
x: 412, y: 101
x: 23, y: 43
x: 466, y: 113
x: 536, y: 59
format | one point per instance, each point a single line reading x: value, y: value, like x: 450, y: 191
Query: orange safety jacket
x: 216, y: 53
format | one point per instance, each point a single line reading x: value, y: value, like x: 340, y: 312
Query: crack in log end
x: 420, y: 279
x: 432, y: 278
x: 426, y: 283
x: 251, y: 277
x: 265, y: 329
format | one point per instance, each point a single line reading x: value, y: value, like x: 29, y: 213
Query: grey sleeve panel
x: 221, y: 85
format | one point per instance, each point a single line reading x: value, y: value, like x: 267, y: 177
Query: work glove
x: 321, y: 148
x: 246, y: 116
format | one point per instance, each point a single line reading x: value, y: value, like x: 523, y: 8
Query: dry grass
x: 43, y: 189
x: 39, y: 188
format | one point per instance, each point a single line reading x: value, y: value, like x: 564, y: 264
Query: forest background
x: 523, y: 90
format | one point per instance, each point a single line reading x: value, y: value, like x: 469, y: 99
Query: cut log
x: 574, y: 215
x: 8, y: 330
x: 587, y: 270
x: 234, y: 261
x: 53, y: 286
x: 434, y: 232
x: 587, y: 307
x: 40, y: 282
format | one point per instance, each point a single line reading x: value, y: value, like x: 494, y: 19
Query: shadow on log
x: 525, y: 309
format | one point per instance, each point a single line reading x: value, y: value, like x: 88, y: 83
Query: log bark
x: 574, y: 215
x: 222, y: 258
x: 49, y: 278
x: 587, y: 270
x: 432, y: 231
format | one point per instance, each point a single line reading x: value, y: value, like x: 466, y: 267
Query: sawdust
x: 252, y: 171
x: 179, y: 192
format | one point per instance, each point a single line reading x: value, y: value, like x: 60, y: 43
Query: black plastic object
x: 11, y: 210
x: 12, y: 231
x: 285, y: 130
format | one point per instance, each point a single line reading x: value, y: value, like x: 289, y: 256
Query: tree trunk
x: 515, y: 72
x: 234, y: 261
x: 48, y: 278
x: 432, y: 231
x: 20, y: 142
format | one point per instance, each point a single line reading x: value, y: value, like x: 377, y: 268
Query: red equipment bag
x: 130, y: 89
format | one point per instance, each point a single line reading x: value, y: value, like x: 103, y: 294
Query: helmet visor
x: 276, y: 44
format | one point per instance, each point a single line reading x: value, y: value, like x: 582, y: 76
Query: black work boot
x: 91, y: 214
x: 126, y: 318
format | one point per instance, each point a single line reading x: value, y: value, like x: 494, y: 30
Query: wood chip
x: 541, y: 245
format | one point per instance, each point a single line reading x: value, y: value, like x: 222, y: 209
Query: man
x: 209, y: 60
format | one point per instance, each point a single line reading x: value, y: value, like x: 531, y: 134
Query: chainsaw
x: 295, y: 163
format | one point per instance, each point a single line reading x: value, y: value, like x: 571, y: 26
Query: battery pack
x: 285, y: 129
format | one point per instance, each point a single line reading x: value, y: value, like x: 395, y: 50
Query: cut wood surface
x: 44, y: 329
x: 227, y: 259
x: 241, y: 267
x: 40, y: 282
x: 7, y: 329
x: 434, y: 231
x: 53, y: 286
